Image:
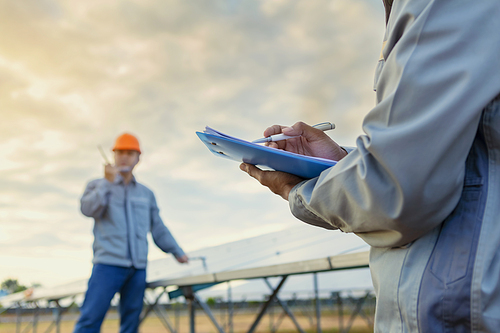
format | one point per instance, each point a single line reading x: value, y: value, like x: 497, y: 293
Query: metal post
x: 271, y: 317
x: 35, y: 317
x: 177, y: 315
x: 18, y: 318
x: 341, y: 312
x: 189, y: 296
x: 230, y: 307
x: 192, y: 314
x: 219, y: 305
x: 318, y: 305
x: 58, y: 318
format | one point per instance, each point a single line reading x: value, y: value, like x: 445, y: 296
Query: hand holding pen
x: 302, y: 139
x: 326, y: 126
x: 306, y: 140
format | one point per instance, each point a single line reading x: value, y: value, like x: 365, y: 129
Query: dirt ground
x: 242, y: 322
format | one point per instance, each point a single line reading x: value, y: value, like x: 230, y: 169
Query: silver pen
x: 278, y: 137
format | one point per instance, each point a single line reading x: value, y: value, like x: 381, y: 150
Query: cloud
x: 76, y: 74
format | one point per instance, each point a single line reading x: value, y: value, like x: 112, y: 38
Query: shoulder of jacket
x: 144, y: 188
x: 95, y: 181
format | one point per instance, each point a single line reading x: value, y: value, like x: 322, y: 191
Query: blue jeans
x: 104, y: 283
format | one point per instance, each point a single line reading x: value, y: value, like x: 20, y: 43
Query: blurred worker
x: 422, y: 185
x: 124, y: 212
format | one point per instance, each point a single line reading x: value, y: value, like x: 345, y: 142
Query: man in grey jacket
x: 124, y: 211
x: 422, y: 185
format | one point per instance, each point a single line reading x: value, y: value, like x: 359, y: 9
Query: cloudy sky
x: 75, y: 74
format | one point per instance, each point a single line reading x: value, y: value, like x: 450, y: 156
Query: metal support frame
x: 341, y: 312
x: 29, y: 326
x: 304, y: 310
x: 189, y: 296
x: 58, y: 312
x: 358, y: 305
x: 286, y: 309
x: 35, y: 317
x: 318, y: 303
x: 208, y: 312
x: 33, y: 325
x: 194, y: 300
x: 177, y: 315
x: 230, y: 308
x: 163, y: 316
x: 18, y: 318
x: 355, y: 304
x: 150, y: 307
x: 265, y: 306
x: 190, y: 284
x: 192, y: 314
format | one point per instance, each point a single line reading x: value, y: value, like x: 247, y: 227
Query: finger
x: 273, y: 145
x: 308, y: 132
x: 275, y: 129
x: 299, y: 128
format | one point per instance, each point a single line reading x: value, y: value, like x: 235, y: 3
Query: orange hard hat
x: 127, y: 142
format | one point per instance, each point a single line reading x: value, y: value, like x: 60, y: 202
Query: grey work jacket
x: 123, y: 215
x: 422, y: 186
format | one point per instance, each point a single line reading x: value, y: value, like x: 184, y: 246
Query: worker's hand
x: 110, y: 172
x: 183, y: 259
x: 311, y: 142
x: 280, y: 183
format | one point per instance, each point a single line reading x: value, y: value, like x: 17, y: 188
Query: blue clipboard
x: 276, y: 159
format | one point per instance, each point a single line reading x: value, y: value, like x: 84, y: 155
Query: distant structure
x: 311, y: 257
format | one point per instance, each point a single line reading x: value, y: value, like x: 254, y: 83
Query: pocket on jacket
x: 458, y: 236
x: 142, y: 219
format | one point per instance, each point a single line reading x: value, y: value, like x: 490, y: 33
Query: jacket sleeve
x: 95, y: 198
x: 161, y: 235
x: 442, y: 67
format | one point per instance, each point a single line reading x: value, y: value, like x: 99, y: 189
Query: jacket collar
x: 119, y: 180
x: 388, y: 7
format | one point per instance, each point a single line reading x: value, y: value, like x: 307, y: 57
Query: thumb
x: 252, y: 170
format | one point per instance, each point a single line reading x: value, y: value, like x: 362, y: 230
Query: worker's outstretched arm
x: 162, y: 237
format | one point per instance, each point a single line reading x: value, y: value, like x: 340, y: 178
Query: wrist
x: 288, y: 189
